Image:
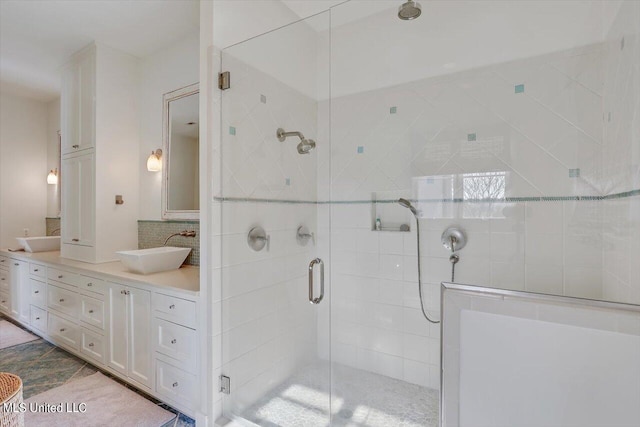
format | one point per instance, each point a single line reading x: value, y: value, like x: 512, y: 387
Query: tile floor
x: 360, y: 398
x: 43, y: 366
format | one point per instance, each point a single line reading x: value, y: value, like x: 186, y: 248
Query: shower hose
x: 454, y: 258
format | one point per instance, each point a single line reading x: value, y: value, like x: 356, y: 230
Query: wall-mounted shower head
x: 407, y: 204
x: 304, y: 147
x: 409, y: 10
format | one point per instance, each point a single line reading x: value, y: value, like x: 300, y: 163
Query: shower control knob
x: 175, y: 384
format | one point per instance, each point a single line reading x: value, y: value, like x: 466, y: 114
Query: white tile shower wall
x: 256, y: 164
x: 377, y: 324
x: 268, y: 327
x: 521, y: 117
x: 621, y: 157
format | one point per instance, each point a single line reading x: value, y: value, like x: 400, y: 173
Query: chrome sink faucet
x: 184, y: 233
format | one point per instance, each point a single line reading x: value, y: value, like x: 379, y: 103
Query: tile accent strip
x: 152, y: 234
x: 621, y: 195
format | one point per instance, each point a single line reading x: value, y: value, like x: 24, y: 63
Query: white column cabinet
x: 78, y: 200
x: 130, y: 332
x: 99, y: 152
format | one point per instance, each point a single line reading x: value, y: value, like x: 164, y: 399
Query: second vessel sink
x: 40, y: 244
x: 154, y: 260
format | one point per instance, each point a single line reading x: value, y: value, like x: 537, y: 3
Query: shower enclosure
x: 516, y: 122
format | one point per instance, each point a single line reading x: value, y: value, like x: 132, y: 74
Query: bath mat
x: 97, y: 401
x: 11, y: 335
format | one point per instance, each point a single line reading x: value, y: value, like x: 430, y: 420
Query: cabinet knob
x: 60, y: 276
x: 16, y: 264
x: 36, y: 292
x: 37, y: 318
x: 75, y: 146
x: 62, y: 329
x: 1, y: 260
x: 172, y: 306
x: 3, y: 278
x: 35, y: 269
x: 3, y: 301
x: 175, y: 384
x: 173, y: 341
x: 61, y: 299
x: 90, y: 344
x: 89, y: 284
x: 90, y: 311
x: 75, y: 240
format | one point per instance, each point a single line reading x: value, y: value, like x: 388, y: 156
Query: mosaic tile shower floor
x: 43, y: 366
x: 360, y: 399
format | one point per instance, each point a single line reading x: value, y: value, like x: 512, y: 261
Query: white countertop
x: 186, y: 278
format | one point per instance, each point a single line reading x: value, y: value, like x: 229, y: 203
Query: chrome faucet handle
x: 257, y: 239
x: 303, y: 236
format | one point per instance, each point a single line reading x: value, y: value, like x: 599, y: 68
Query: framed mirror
x: 181, y: 145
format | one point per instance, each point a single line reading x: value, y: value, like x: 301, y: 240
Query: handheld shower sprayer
x: 407, y: 204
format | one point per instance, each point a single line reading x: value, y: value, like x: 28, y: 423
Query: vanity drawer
x: 177, y: 342
x: 175, y: 384
x: 38, y: 293
x: 38, y: 270
x: 5, y: 286
x: 92, y: 345
x: 39, y: 319
x: 65, y: 277
x: 92, y: 311
x: 93, y: 285
x: 62, y: 300
x: 4, y: 263
x: 63, y: 331
x: 5, y: 302
x: 177, y: 310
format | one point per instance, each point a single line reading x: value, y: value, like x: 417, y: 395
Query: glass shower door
x: 275, y: 323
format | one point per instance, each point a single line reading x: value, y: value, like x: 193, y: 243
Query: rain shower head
x: 409, y: 10
x: 407, y: 204
x: 304, y: 147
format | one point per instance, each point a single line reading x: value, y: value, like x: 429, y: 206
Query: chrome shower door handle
x: 312, y: 264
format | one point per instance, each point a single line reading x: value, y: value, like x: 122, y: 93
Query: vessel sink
x: 154, y: 260
x: 40, y: 244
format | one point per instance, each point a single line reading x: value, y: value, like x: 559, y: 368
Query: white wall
x: 23, y: 168
x: 171, y: 68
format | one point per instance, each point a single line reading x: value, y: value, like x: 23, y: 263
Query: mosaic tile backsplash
x: 152, y: 234
x: 52, y: 226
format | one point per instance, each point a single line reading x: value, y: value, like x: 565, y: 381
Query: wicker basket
x: 10, y: 392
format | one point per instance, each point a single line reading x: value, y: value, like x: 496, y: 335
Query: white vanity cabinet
x: 143, y: 333
x: 129, y: 343
x: 78, y: 201
x: 5, y: 286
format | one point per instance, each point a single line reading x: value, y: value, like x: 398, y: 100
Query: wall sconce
x: 52, y: 178
x: 154, y: 162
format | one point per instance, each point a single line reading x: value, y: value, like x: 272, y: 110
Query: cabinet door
x: 117, y: 353
x: 86, y: 87
x: 69, y: 106
x: 20, y: 291
x: 78, y: 200
x: 140, y: 335
x: 78, y: 103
